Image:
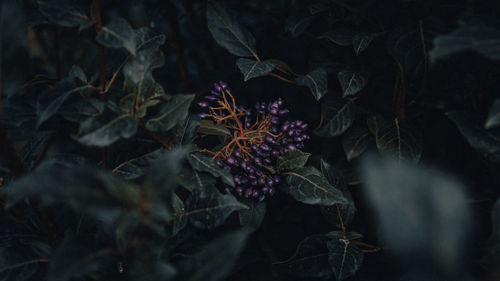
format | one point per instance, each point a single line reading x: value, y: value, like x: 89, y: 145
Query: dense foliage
x: 249, y: 140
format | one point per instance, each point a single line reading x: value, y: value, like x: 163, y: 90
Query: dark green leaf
x: 355, y: 141
x: 208, y: 127
x: 228, y: 32
x: 399, y: 140
x: 191, y: 180
x: 252, y: 217
x: 361, y: 41
x: 136, y: 167
x: 292, y: 160
x: 408, y: 201
x: 493, y: 119
x: 345, y: 258
x: 64, y: 13
x: 310, y: 259
x: 316, y: 81
x: 491, y: 256
x: 309, y: 186
x: 351, y: 82
x: 481, y: 140
x: 336, y: 118
x: 475, y: 36
x: 208, y: 208
x: 281, y: 66
x: 146, y: 39
x: 220, y: 254
x: 171, y: 114
x: 186, y: 132
x: 339, y: 36
x: 106, y: 128
x: 78, y: 109
x: 180, y: 220
x: 205, y: 163
x: 252, y: 68
x: 297, y: 25
x: 336, y: 234
x: 117, y: 34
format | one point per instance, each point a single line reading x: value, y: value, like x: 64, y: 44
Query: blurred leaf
x: 64, y: 13
x: 345, y: 258
x: 205, y: 163
x: 281, y: 66
x: 336, y: 118
x: 145, y: 38
x: 172, y: 113
x: 297, y: 25
x: 220, y: 254
x: 136, y: 167
x: 336, y: 234
x: 316, y: 81
x: 310, y: 259
x: 252, y: 217
x: 208, y: 208
x: 292, y: 160
x: 117, y: 34
x: 481, y: 140
x: 191, y: 180
x: 309, y: 186
x: 78, y: 108
x: 475, y: 36
x: 180, y: 220
x: 75, y: 259
x: 361, y: 41
x: 252, y: 68
x: 17, y: 265
x: 399, y: 140
x: 186, y: 132
x: 77, y: 72
x: 339, y: 36
x: 413, y: 206
x: 493, y: 119
x: 491, y: 254
x: 351, y: 82
x: 355, y: 141
x: 106, y: 128
x: 228, y: 32
x: 208, y: 127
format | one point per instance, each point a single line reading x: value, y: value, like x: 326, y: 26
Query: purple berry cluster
x: 252, y: 165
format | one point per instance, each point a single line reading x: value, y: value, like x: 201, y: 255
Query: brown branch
x: 280, y: 78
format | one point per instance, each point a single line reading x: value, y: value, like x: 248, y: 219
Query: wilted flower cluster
x: 259, y: 137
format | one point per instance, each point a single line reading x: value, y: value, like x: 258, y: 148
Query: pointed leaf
x: 136, y: 167
x: 292, y: 160
x: 399, y: 140
x: 361, y: 41
x: 106, y: 128
x: 117, y: 34
x: 355, y: 141
x: 351, y: 82
x: 481, y: 140
x: 309, y: 186
x: 336, y: 118
x: 208, y: 208
x: 228, y: 32
x: 171, y: 114
x: 64, y: 13
x: 252, y: 217
x: 208, y: 127
x: 345, y: 258
x: 493, y: 119
x: 205, y: 163
x: 186, y: 132
x: 316, y: 81
x: 145, y: 38
x: 252, y: 68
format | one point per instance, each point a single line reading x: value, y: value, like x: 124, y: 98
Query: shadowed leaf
x: 252, y: 68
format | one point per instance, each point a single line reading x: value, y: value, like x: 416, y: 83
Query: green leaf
x: 316, y: 81
x: 191, y: 180
x: 351, y: 82
x: 180, y: 220
x: 475, y: 36
x: 309, y: 186
x: 339, y: 36
x: 117, y: 34
x: 252, y: 68
x: 64, y: 13
x: 336, y: 234
x: 205, y: 163
x: 361, y: 41
x: 493, y: 119
x: 336, y: 118
x: 186, y: 132
x: 491, y: 254
x: 355, y: 141
x: 136, y: 167
x: 171, y: 114
x: 481, y: 140
x: 297, y: 25
x: 78, y: 109
x: 252, y: 217
x: 399, y: 140
x: 208, y: 208
x: 292, y: 160
x: 145, y: 38
x: 220, y: 254
x: 345, y: 258
x: 228, y: 32
x: 310, y: 259
x: 208, y: 127
x: 106, y: 128
x: 281, y: 66
x: 408, y: 201
x: 51, y: 100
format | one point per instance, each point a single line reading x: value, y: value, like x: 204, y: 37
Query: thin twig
x: 424, y: 48
x: 281, y: 78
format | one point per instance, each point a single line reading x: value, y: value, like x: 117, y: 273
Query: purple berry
x: 262, y: 198
x: 291, y: 147
x: 217, y: 87
x: 211, y: 98
x: 231, y: 161
x: 283, y: 112
x: 203, y: 104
